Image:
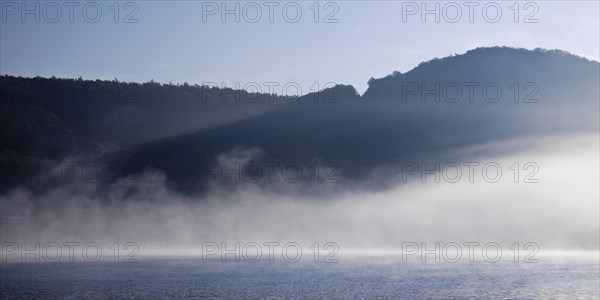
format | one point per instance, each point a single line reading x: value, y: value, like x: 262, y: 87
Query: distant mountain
x: 430, y: 112
x: 396, y: 120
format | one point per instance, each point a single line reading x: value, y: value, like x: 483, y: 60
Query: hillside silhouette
x: 433, y: 111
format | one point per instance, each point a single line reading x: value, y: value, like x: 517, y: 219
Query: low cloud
x: 560, y: 211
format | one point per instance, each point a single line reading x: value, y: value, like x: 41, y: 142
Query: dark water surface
x: 352, y: 277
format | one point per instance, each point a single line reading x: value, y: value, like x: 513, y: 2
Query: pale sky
x: 172, y: 43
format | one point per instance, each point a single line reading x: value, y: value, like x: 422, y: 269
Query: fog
x: 560, y: 212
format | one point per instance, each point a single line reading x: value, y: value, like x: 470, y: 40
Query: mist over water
x: 559, y: 212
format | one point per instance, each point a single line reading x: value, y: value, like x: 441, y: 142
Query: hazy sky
x: 172, y: 42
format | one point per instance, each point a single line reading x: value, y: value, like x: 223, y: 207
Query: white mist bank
x: 560, y: 212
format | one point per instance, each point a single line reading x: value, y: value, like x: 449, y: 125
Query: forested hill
x: 49, y: 118
x: 437, y: 108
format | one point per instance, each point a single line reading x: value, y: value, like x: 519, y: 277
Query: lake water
x: 363, y: 276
